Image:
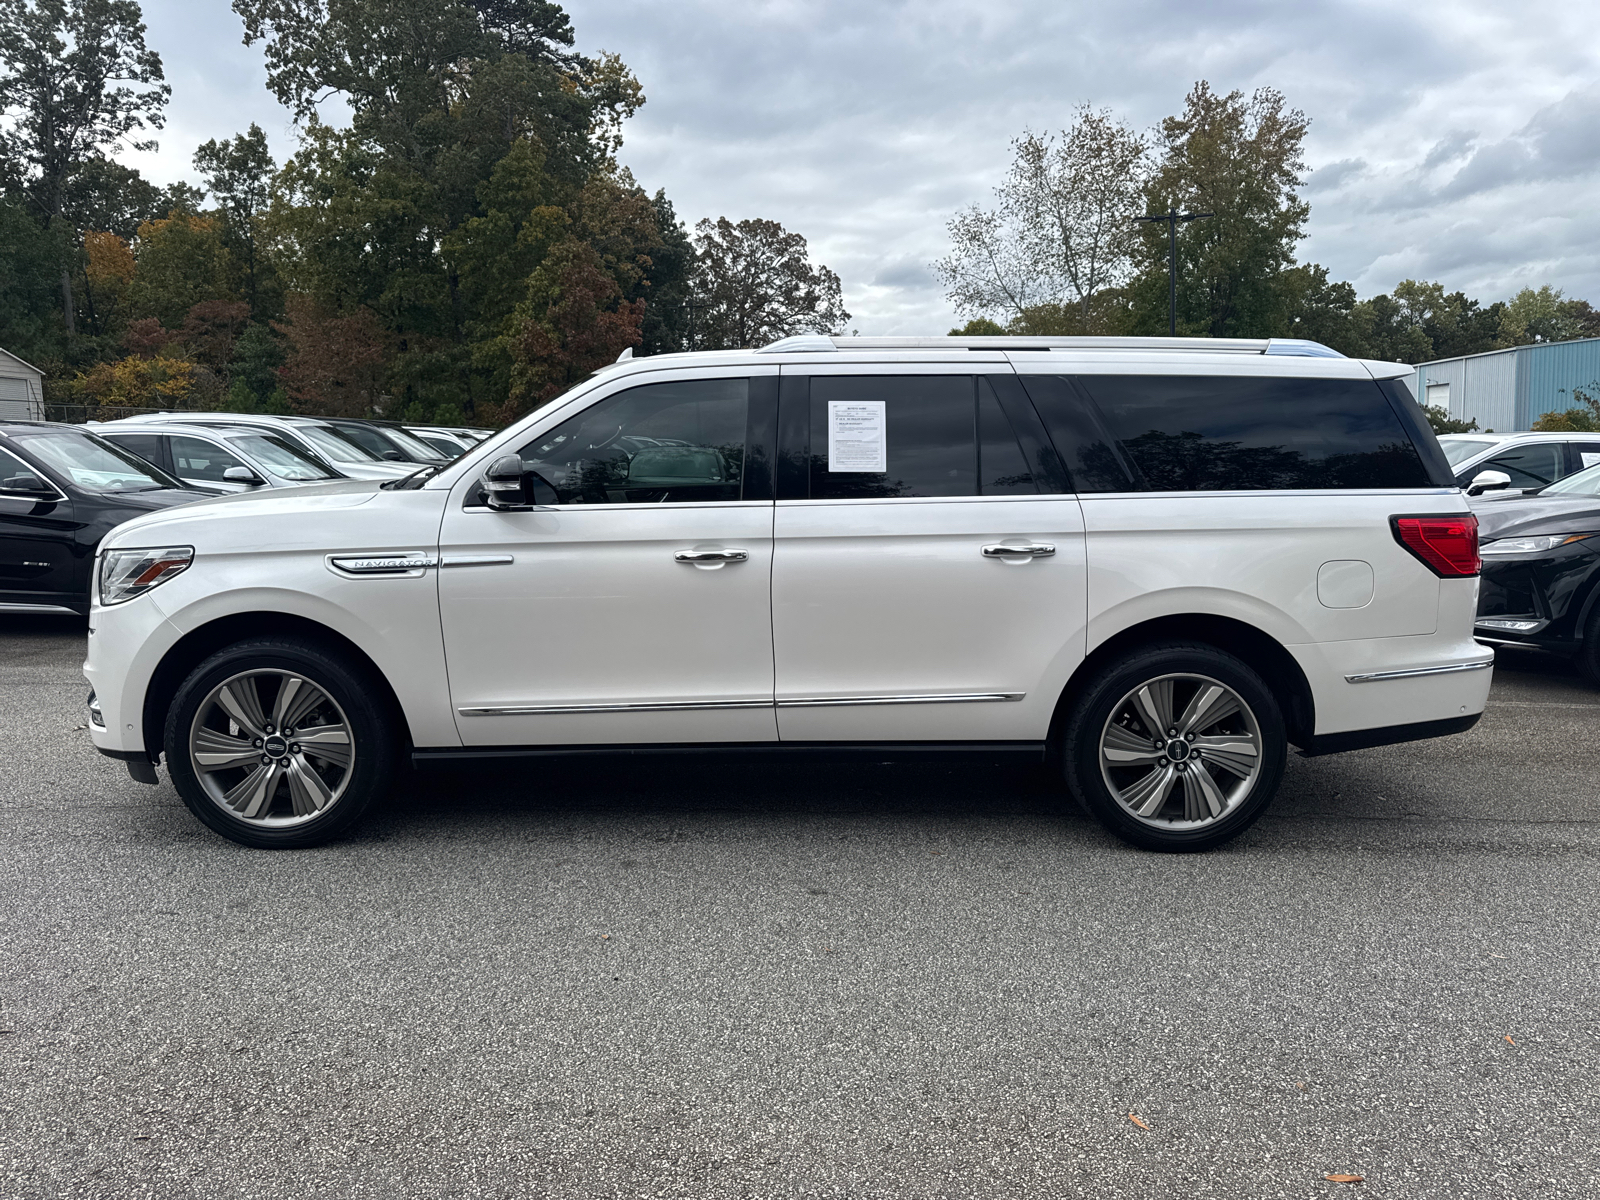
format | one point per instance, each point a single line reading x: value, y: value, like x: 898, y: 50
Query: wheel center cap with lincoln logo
x: 275, y: 746
x: 1177, y: 749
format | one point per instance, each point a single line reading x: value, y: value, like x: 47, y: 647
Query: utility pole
x: 1172, y: 217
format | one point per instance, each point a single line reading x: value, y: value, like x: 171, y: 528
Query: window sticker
x: 857, y: 436
x: 1589, y: 460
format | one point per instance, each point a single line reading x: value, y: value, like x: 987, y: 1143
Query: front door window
x: 634, y: 605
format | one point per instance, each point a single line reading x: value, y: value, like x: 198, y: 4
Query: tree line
x: 466, y: 248
x: 1060, y: 252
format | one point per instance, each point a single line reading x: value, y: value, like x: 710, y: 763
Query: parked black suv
x: 61, y: 490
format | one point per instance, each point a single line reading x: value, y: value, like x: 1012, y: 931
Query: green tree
x: 76, y: 81
x: 440, y: 93
x: 1242, y: 159
x: 31, y: 261
x: 1322, y: 310
x: 1062, y: 237
x: 669, y: 282
x: 754, y: 283
x: 239, y: 173
x: 1539, y: 315
x: 178, y: 263
x: 979, y: 327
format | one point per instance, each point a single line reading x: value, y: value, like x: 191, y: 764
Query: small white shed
x: 21, y: 389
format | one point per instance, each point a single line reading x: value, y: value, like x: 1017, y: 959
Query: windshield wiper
x: 411, y: 482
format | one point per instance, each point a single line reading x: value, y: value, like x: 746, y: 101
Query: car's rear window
x: 1216, y: 433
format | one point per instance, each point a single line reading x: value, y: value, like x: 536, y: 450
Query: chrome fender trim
x: 1482, y: 664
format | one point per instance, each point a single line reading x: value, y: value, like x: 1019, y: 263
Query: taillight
x: 1447, y: 546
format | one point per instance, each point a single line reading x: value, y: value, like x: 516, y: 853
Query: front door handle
x: 694, y: 557
x: 1036, y: 550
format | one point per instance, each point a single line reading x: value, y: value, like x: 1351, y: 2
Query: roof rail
x: 817, y: 344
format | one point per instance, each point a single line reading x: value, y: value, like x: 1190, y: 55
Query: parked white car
x: 222, y: 459
x: 1157, y: 564
x: 320, y: 439
x: 1498, y: 466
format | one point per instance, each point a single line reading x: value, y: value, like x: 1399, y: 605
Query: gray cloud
x: 1453, y: 135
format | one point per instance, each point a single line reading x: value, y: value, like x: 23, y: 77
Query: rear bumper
x: 1389, y: 735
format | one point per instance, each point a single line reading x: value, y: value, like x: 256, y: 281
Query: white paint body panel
x: 895, y: 598
x: 595, y: 610
x: 267, y: 552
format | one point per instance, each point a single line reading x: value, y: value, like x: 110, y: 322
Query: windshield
x: 280, y: 458
x: 378, y: 444
x: 413, y: 445
x: 93, y: 464
x: 442, y: 444
x: 1457, y: 451
x: 1584, y: 483
x: 334, y: 448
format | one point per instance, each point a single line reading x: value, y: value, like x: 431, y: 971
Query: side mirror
x: 394, y: 456
x: 26, y: 483
x: 243, y: 475
x: 1484, y: 481
x: 510, y: 487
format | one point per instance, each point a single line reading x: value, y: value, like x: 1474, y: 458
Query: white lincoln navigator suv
x: 1156, y: 564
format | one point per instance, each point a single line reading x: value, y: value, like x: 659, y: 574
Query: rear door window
x: 1214, y: 433
x: 881, y: 437
x: 147, y: 446
x: 196, y: 458
x: 1584, y: 455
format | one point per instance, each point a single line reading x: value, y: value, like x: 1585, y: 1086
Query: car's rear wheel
x: 280, y: 744
x: 1176, y: 747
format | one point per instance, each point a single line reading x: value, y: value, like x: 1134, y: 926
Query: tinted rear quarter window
x: 1214, y: 433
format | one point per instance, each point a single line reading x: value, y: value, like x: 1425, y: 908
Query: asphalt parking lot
x: 704, y: 979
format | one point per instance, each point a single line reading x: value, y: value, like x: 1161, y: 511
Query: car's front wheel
x: 279, y: 744
x: 1176, y: 747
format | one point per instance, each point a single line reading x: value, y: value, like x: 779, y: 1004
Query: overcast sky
x: 1451, y: 141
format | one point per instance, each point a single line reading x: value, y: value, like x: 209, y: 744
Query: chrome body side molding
x: 476, y: 560
x: 916, y: 698
x: 57, y: 609
x: 530, y: 710
x: 1482, y: 664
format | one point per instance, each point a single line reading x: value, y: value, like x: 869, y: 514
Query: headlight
x: 125, y: 574
x: 1529, y: 545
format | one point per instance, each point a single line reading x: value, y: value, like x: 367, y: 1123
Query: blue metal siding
x: 1550, y: 374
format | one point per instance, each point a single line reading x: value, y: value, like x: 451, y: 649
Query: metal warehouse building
x: 1508, y: 390
x: 21, y: 389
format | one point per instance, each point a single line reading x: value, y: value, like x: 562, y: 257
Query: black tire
x: 1588, y: 657
x: 359, y: 707
x: 1192, y: 667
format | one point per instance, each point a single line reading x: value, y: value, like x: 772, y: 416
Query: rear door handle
x: 1036, y: 550
x: 711, y: 556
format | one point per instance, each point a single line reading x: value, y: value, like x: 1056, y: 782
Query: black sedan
x: 1541, y: 570
x: 61, y: 490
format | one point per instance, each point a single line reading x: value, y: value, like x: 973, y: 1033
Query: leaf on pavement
x: 1508, y: 1039
x: 1137, y: 1122
x: 1345, y: 1178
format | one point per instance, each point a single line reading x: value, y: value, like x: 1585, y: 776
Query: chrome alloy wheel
x: 271, y: 747
x: 1181, y: 751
